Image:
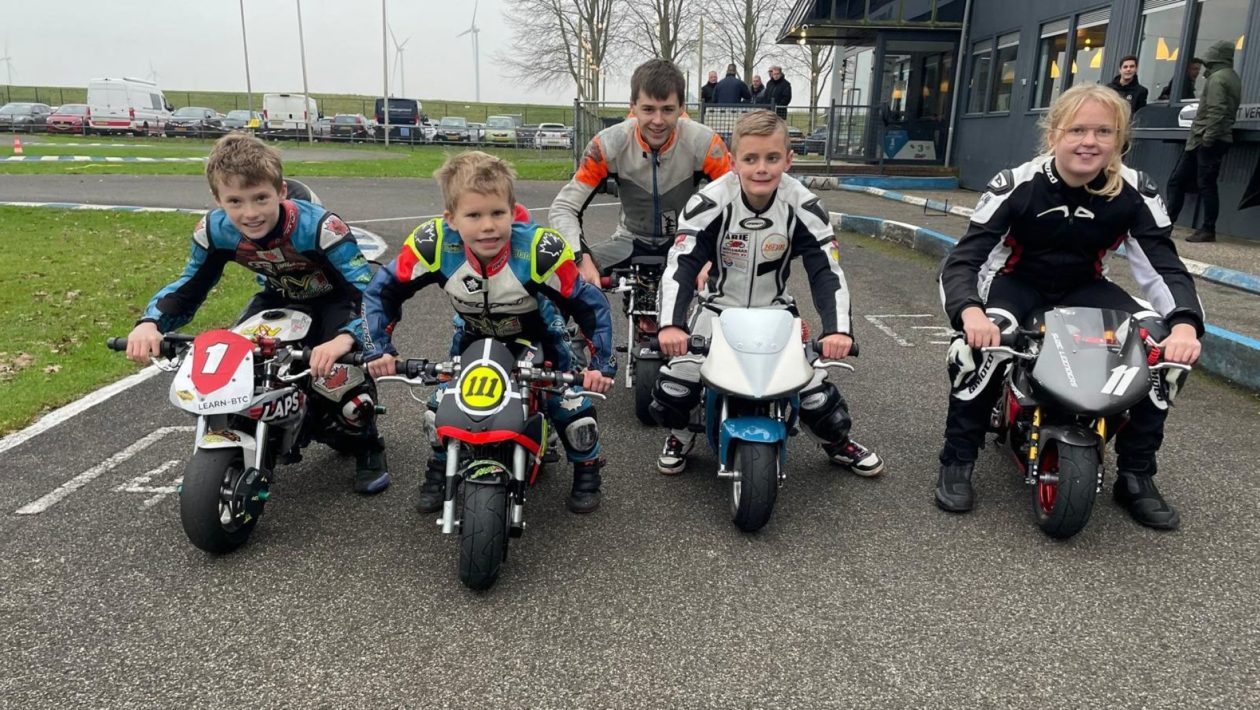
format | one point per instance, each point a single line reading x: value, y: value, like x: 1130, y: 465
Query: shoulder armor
x: 332, y: 231
x: 814, y: 207
x: 426, y: 242
x: 548, y: 251
x: 1001, y: 183
x: 1147, y: 185
x: 201, y: 234
x: 697, y: 205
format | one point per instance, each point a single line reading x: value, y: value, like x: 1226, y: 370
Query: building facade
x: 1012, y: 58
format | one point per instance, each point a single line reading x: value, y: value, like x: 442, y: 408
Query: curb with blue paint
x: 370, y: 243
x: 93, y: 159
x: 1231, y: 355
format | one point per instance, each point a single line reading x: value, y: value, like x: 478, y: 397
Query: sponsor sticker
x: 774, y: 247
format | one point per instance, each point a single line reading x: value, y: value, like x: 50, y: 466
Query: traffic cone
x: 17, y: 145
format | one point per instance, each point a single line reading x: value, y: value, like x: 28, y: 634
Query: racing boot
x: 1139, y: 496
x: 433, y: 489
x: 584, y: 498
x: 673, y: 458
x: 371, y: 475
x: 855, y: 457
x: 953, y: 487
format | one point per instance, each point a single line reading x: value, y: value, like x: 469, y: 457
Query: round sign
x: 774, y: 247
x: 482, y: 388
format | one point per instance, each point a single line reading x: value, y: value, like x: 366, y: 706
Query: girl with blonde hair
x: 1040, y: 237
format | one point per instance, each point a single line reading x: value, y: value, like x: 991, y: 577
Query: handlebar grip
x: 119, y: 344
x: 1010, y: 339
x: 606, y: 282
x: 817, y: 345
x: 355, y: 359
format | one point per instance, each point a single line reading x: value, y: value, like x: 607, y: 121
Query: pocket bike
x: 753, y: 374
x: 251, y: 408
x: 639, y: 284
x: 491, y: 422
x: 1075, y: 374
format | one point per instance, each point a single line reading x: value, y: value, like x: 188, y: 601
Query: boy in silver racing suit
x: 751, y: 224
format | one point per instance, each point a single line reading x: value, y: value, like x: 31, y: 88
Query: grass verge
x: 82, y: 277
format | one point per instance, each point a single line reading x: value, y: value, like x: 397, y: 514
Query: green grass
x: 377, y: 161
x: 87, y: 276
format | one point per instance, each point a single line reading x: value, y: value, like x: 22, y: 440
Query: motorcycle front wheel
x: 483, y: 534
x: 645, y: 372
x: 1067, y: 483
x: 756, y: 484
x: 212, y: 501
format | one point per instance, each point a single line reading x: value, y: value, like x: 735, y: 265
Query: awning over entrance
x: 857, y: 22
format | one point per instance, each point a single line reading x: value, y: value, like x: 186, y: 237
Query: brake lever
x: 821, y: 364
x: 1171, y: 366
x: 1009, y: 351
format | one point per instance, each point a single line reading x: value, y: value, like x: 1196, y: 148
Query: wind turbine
x: 153, y: 75
x: 8, y: 62
x: 474, y: 30
x: 399, y: 64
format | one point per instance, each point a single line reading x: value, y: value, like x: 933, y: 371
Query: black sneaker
x: 433, y: 488
x: 673, y: 458
x: 371, y: 475
x: 1139, y: 496
x: 953, y: 488
x: 1202, y: 235
x: 855, y: 457
x: 584, y: 497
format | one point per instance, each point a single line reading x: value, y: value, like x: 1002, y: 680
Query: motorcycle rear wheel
x: 645, y: 372
x: 483, y: 534
x: 1062, y: 507
x: 207, y: 499
x: 755, y: 488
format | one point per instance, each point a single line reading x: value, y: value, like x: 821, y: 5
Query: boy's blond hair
x: 475, y: 171
x: 759, y: 123
x: 244, y: 157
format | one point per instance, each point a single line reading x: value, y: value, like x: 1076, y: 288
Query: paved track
x: 858, y: 594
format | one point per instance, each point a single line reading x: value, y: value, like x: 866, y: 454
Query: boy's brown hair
x: 759, y: 123
x: 244, y: 157
x: 475, y: 171
x: 658, y: 78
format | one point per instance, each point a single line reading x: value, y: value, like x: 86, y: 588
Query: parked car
x: 24, y: 117
x: 321, y: 130
x: 501, y: 130
x: 242, y: 118
x: 353, y: 127
x: 796, y: 140
x: 126, y: 106
x: 69, y: 118
x: 453, y: 129
x: 816, y: 142
x: 477, y: 132
x: 287, y: 114
x: 553, y: 135
x: 195, y: 122
x: 406, y: 118
x: 430, y: 131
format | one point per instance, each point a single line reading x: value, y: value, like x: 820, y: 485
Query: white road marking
x: 422, y: 217
x: 140, y: 484
x: 81, y: 480
x: 878, y: 322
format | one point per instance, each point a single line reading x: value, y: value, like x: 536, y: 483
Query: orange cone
x: 17, y: 145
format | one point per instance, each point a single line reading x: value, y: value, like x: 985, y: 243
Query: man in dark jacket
x: 706, y: 91
x: 757, y: 89
x: 778, y: 91
x: 1211, y: 135
x: 1126, y: 84
x: 732, y: 89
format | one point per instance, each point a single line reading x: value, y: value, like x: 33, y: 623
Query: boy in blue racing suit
x: 305, y: 258
x: 494, y: 272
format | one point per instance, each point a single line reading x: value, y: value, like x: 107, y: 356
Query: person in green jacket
x: 1211, y: 135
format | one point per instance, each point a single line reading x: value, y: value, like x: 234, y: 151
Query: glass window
x: 1051, y: 56
x: 897, y: 84
x: 1217, y: 21
x: 1004, y: 72
x: 1159, y: 46
x: 1088, y: 62
x: 883, y: 10
x: 981, y: 60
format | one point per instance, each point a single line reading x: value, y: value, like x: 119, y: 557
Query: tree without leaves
x: 745, y: 30
x: 562, y: 39
x: 815, y: 62
x: 662, y: 28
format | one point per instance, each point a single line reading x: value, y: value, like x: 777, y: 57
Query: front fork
x: 520, y: 461
x: 452, y: 472
x: 1034, y: 435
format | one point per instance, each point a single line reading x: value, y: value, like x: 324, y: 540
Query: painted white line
x: 81, y: 480
x: 139, y: 484
x: 878, y: 322
x: 422, y: 217
x: 57, y: 416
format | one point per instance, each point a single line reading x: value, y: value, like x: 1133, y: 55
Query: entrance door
x: 915, y: 91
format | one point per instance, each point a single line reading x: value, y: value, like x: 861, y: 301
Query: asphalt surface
x: 859, y: 593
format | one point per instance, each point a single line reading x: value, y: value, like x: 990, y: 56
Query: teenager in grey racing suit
x: 751, y: 252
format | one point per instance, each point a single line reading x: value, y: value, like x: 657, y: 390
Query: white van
x: 288, y: 112
x: 126, y: 106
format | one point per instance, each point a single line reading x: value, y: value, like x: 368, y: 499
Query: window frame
x: 1069, y: 22
x: 982, y: 48
x: 1012, y: 40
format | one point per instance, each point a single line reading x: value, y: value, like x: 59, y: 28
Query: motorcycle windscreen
x: 479, y: 400
x: 756, y: 353
x: 1091, y: 361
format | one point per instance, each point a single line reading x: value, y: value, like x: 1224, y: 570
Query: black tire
x: 754, y: 490
x: 645, y: 372
x: 483, y: 534
x: 202, y: 502
x: 1062, y: 508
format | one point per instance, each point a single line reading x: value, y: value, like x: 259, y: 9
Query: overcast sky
x: 196, y: 45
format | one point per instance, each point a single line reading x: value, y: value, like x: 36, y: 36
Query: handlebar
x: 172, y: 343
x: 699, y: 345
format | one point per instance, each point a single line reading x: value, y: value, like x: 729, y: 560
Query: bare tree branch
x: 745, y: 30
x: 814, y: 62
x: 562, y: 40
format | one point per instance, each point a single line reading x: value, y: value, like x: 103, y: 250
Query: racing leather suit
x: 499, y: 301
x: 1034, y: 243
x: 751, y: 252
x: 653, y: 185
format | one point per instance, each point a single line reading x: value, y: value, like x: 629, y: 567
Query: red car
x: 70, y: 118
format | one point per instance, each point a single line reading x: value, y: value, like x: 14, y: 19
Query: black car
x: 195, y: 122
x: 242, y: 118
x: 352, y: 126
x: 816, y: 142
x: 21, y: 116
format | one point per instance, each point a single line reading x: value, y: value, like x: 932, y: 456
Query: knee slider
x: 581, y: 435
x: 672, y: 401
x: 357, y: 409
x: 824, y: 412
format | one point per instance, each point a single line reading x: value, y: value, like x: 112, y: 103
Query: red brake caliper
x: 1048, y: 491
